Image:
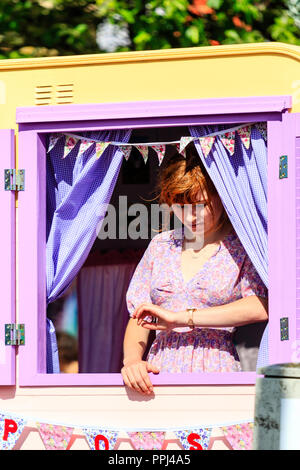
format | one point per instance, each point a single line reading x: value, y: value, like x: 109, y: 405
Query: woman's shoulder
x: 164, y: 239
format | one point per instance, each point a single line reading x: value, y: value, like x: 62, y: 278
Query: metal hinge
x: 14, y: 180
x: 283, y: 167
x: 284, y: 329
x: 14, y: 334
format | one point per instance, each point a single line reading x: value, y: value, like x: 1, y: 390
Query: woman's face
x: 196, y: 217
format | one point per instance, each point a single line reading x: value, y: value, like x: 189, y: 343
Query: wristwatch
x: 191, y: 319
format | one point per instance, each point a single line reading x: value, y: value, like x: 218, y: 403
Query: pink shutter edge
x: 8, y: 260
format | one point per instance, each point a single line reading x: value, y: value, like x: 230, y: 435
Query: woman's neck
x: 197, y: 243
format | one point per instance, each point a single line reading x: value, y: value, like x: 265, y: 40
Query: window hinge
x: 14, y: 180
x: 283, y: 166
x: 14, y: 334
x: 284, y: 329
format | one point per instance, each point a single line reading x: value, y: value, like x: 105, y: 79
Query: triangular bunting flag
x: 206, y: 143
x: 70, y: 143
x: 126, y: 150
x: 11, y: 428
x: 228, y: 139
x: 55, y: 437
x: 100, y: 147
x: 160, y: 150
x: 245, y: 134
x: 147, y: 440
x: 182, y: 152
x: 84, y: 145
x: 184, y: 141
x: 143, y: 149
x: 262, y: 128
x: 54, y: 138
x: 239, y: 436
x: 100, y: 439
x: 194, y: 439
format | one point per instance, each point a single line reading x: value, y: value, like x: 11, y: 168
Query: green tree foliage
x: 35, y: 28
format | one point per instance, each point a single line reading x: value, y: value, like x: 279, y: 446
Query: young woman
x: 195, y: 284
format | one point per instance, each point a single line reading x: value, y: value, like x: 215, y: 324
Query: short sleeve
x: 250, y: 282
x: 139, y: 286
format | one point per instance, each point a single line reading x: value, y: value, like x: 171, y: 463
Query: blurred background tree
x: 38, y: 28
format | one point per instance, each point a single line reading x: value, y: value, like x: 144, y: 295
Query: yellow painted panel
x: 193, y: 73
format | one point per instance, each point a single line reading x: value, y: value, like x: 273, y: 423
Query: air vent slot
x: 58, y: 94
x: 64, y: 94
x: 43, y: 95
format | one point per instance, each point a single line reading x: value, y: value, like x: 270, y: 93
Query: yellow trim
x: 277, y: 48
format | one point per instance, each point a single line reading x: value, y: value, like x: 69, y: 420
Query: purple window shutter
x: 284, y: 238
x: 7, y: 256
x: 296, y: 348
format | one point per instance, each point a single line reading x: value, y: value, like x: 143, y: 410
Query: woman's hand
x: 165, y: 319
x: 135, y: 376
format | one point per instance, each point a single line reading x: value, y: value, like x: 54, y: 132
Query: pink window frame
x: 34, y: 124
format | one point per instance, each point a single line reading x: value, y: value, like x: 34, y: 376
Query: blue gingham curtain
x: 241, y: 181
x: 75, y: 189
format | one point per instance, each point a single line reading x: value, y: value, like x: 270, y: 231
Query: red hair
x: 181, y: 180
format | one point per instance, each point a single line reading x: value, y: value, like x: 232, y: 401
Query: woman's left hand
x: 165, y: 319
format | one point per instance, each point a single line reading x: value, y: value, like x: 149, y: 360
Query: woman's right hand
x: 135, y: 375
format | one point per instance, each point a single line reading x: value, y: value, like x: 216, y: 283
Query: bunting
x: 245, y: 134
x: 194, y: 439
x: 239, y: 436
x: 126, y: 150
x: 55, y: 437
x: 178, y: 150
x: 146, y: 440
x: 11, y: 428
x: 54, y: 138
x: 206, y: 144
x: 100, y: 439
x: 85, y: 144
x: 70, y: 143
x: 184, y: 142
x: 235, y: 435
x: 228, y: 140
x: 262, y: 128
x: 143, y: 149
x: 160, y: 150
x: 100, y: 147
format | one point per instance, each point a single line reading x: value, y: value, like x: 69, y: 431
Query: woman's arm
x: 241, y: 312
x: 244, y: 311
x: 135, y: 370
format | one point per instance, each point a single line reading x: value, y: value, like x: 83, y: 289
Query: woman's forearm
x: 241, y: 312
x: 135, y: 341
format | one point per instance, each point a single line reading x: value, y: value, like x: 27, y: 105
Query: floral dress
x: 226, y: 277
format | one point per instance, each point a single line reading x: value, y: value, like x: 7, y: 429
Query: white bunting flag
x: 100, y: 439
x: 184, y: 141
x: 84, y: 145
x: 126, y: 150
x: 206, y: 144
x: 160, y: 150
x: 54, y: 138
x: 11, y: 428
x: 143, y: 149
x: 245, y: 134
x: 100, y: 147
x: 194, y: 439
x: 70, y: 143
x: 228, y: 140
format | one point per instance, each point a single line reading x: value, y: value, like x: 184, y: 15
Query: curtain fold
x: 103, y: 316
x: 76, y: 189
x: 241, y: 181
